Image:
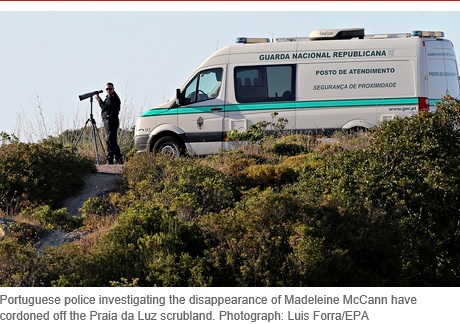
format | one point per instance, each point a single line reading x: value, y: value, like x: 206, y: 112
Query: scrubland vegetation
x: 380, y: 208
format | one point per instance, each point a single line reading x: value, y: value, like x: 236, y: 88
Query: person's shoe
x: 119, y: 160
x: 110, y: 161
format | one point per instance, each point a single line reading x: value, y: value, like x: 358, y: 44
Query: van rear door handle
x: 216, y: 108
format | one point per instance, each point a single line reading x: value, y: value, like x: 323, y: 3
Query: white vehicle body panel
x: 316, y: 86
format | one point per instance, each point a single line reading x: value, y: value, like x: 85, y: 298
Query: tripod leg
x: 94, y: 132
x: 102, y: 143
x: 81, y: 133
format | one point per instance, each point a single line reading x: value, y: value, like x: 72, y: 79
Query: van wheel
x: 170, y: 146
x: 357, y: 130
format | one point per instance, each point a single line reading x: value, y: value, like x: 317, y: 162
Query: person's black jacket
x: 110, y: 106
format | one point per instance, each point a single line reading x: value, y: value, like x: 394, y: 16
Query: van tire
x: 357, y: 130
x: 169, y: 145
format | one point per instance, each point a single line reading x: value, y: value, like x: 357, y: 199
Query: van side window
x: 204, y: 86
x: 265, y: 83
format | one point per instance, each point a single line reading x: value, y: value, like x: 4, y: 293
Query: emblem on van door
x: 200, y: 122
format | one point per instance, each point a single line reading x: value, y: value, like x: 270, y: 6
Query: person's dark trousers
x: 113, y: 149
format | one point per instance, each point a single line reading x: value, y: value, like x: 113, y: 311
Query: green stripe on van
x: 434, y: 101
x: 181, y: 110
x: 333, y: 104
x: 322, y: 104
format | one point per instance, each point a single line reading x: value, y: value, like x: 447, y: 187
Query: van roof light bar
x: 428, y: 33
x: 292, y: 39
x: 252, y: 40
x: 382, y: 36
x: 349, y: 33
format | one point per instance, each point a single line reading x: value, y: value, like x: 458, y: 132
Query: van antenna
x: 217, y: 45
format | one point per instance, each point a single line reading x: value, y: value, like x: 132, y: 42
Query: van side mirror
x: 179, y: 98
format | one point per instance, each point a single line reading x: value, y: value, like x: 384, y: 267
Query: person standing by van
x: 110, y: 108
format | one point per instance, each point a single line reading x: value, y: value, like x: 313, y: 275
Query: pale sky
x: 54, y: 52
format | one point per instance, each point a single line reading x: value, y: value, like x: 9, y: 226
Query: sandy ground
x: 107, y: 179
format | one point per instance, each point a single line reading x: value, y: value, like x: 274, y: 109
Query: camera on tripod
x: 89, y: 94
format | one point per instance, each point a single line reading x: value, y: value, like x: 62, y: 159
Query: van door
x: 442, y: 72
x: 201, y: 114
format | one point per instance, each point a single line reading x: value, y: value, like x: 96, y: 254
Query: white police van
x: 334, y: 79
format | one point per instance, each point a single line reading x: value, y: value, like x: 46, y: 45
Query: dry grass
x: 40, y: 127
x: 98, y: 227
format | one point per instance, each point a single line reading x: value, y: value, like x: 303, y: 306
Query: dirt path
x: 107, y: 179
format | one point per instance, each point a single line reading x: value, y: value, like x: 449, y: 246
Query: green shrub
x: 19, y: 266
x: 59, y: 219
x: 148, y: 245
x: 231, y: 163
x: 66, y: 266
x: 267, y: 175
x: 291, y: 145
x: 406, y: 184
x: 412, y: 171
x: 287, y: 149
x: 184, y: 184
x: 119, y: 253
x: 255, y: 133
x: 110, y: 204
x: 24, y: 232
x: 302, y: 161
x: 40, y: 173
x: 249, y: 244
x: 173, y: 267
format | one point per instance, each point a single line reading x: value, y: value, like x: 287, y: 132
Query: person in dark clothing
x: 110, y: 107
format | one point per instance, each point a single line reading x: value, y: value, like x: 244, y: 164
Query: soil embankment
x: 107, y: 179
